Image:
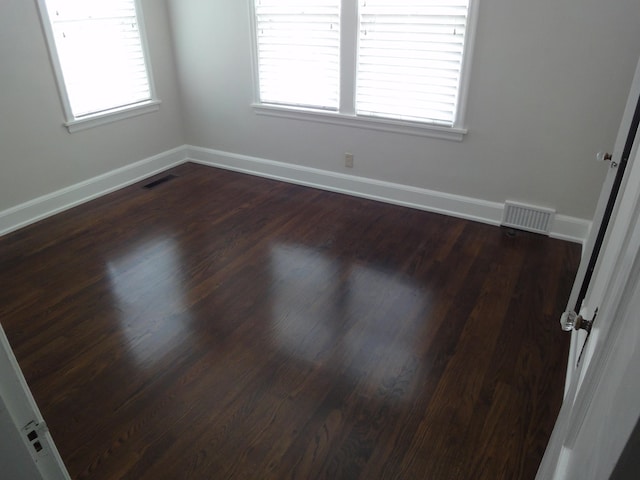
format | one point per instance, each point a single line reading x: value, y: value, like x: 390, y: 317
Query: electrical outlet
x: 348, y: 160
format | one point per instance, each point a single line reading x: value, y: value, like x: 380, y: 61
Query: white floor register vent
x: 528, y: 217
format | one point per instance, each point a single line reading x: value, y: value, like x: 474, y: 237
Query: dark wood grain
x: 225, y: 326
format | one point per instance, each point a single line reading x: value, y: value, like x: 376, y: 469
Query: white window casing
x: 99, y: 55
x: 405, y: 64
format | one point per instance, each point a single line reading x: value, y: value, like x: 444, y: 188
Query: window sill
x: 109, y: 116
x: 371, y: 123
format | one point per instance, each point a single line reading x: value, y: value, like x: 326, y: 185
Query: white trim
x: 48, y: 205
x: 45, y: 22
x: 346, y: 116
x: 102, y: 118
x: 611, y: 276
x: 578, y: 398
x: 348, y: 57
x: 571, y: 229
x: 22, y: 408
x: 359, y: 121
x: 404, y: 195
x: 621, y: 287
x: 75, y: 124
x: 255, y: 77
x: 564, y: 227
x: 467, y: 59
x: 572, y: 361
x: 142, y: 29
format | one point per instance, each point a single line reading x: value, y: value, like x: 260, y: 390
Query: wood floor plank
x: 226, y: 326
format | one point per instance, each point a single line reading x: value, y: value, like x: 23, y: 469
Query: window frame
x: 77, y: 123
x: 346, y: 115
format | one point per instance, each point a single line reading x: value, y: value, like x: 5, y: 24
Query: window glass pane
x: 299, y: 52
x: 410, y: 58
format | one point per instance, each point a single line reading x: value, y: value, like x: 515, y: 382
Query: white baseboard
x: 55, y: 202
x: 564, y: 227
x: 571, y: 229
x: 414, y: 197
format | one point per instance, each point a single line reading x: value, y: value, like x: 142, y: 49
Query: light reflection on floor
x: 150, y: 270
x: 338, y: 314
x: 331, y: 313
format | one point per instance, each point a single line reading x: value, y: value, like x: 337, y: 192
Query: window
x: 98, y: 54
x: 299, y: 52
x: 398, y: 65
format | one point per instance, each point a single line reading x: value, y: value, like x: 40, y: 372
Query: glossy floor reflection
x: 337, y: 315
x: 147, y: 287
x: 226, y: 326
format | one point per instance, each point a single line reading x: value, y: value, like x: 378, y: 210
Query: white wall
x: 549, y: 82
x: 548, y: 87
x: 37, y: 154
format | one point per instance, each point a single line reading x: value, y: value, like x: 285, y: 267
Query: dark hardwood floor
x: 225, y: 326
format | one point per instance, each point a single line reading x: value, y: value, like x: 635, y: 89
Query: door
x: 27, y: 451
x: 604, y: 241
x: 601, y: 403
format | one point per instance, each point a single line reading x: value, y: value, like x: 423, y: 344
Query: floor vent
x: 160, y: 181
x: 527, y: 217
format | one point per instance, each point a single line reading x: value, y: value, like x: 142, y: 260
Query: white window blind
x: 99, y: 48
x: 410, y: 59
x: 299, y: 52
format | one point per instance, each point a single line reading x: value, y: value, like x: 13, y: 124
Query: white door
x: 27, y: 451
x: 602, y: 395
x: 604, y: 242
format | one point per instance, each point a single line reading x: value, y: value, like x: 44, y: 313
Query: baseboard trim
x: 565, y: 228
x: 572, y: 229
x: 408, y: 196
x: 47, y: 205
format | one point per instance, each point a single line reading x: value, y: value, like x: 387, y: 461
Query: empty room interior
x: 235, y: 270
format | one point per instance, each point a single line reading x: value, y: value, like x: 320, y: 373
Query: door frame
x: 611, y: 240
x: 577, y: 403
x: 615, y: 274
x: 23, y: 411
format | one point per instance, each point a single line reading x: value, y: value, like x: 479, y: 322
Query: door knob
x: 572, y: 321
x: 568, y: 320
